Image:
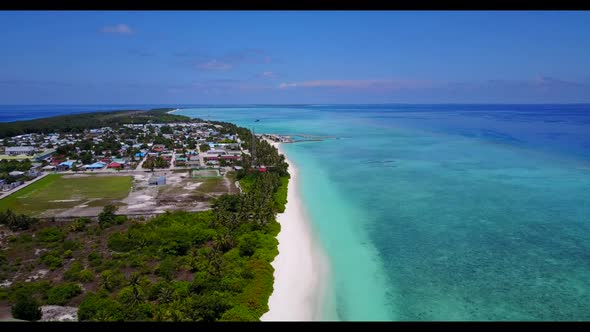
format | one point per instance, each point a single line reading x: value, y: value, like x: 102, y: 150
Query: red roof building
x: 230, y: 157
x: 115, y: 165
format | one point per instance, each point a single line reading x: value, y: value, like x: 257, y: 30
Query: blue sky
x: 113, y: 57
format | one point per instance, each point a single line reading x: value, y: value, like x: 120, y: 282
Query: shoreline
x: 301, y: 268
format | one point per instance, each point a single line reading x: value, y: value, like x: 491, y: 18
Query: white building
x: 20, y: 150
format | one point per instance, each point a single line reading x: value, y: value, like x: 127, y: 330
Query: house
x: 230, y: 157
x: 216, y: 152
x: 49, y: 168
x: 16, y: 173
x: 193, y: 163
x: 44, y: 155
x: 20, y: 150
x: 9, y: 186
x: 96, y: 165
x: 180, y: 161
x: 158, y: 148
x: 259, y: 169
x: 158, y: 181
x: 115, y: 165
x: 65, y: 165
x: 238, y: 168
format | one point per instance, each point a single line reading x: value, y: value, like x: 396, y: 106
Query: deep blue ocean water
x: 443, y: 212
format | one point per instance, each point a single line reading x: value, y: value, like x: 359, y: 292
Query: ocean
x: 440, y: 212
x: 444, y: 212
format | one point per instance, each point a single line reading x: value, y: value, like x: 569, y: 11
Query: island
x: 137, y: 216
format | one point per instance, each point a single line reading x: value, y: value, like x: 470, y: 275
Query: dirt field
x: 83, y: 195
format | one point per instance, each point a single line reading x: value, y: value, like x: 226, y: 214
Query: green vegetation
x: 107, y: 217
x: 204, y: 147
x: 56, y: 191
x: 7, y: 166
x: 60, y: 295
x: 50, y: 234
x: 280, y: 197
x: 51, y: 259
x: 26, y: 307
x: 157, y: 162
x: 16, y: 222
x: 246, y: 180
x: 78, y: 122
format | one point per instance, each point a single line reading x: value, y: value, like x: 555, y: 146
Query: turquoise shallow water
x: 442, y: 212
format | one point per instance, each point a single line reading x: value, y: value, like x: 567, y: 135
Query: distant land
x: 79, y: 122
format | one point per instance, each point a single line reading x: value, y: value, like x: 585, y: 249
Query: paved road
x: 141, y: 162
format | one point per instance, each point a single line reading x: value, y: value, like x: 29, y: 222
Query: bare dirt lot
x: 135, y: 197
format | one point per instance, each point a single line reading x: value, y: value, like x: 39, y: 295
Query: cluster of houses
x: 228, y: 152
x: 32, y: 173
x: 58, y: 164
x: 180, y: 151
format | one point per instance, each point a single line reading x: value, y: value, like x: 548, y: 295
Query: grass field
x: 7, y: 157
x: 205, y: 173
x: 57, y: 192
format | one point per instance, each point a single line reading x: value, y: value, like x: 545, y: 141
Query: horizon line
x: 297, y: 104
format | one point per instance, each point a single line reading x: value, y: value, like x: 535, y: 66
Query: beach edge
x: 300, y: 268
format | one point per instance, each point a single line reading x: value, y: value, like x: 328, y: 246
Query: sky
x: 294, y: 57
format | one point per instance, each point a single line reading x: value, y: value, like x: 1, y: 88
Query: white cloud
x: 123, y: 29
x: 214, y: 65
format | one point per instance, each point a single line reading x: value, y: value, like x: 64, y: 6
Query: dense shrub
x: 86, y: 276
x: 98, y: 307
x: 50, y: 234
x: 73, y: 273
x: 26, y: 307
x: 16, y: 222
x: 50, y: 259
x: 60, y: 295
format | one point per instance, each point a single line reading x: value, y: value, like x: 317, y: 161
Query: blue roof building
x: 97, y: 165
x: 68, y: 163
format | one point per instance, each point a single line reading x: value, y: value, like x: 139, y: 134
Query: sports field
x: 62, y: 192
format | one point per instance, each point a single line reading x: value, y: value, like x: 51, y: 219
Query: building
x: 193, y: 163
x: 97, y: 165
x: 16, y: 173
x: 20, y: 150
x: 115, y: 165
x: 64, y: 166
x: 229, y: 157
x: 158, y: 181
x: 44, y: 155
x: 49, y: 168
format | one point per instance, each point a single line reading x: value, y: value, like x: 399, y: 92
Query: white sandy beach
x: 300, y: 267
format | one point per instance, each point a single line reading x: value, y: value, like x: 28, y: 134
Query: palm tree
x: 166, y: 295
